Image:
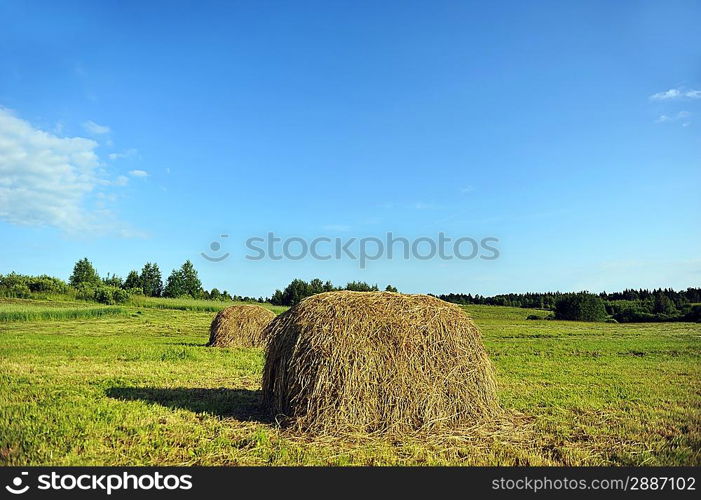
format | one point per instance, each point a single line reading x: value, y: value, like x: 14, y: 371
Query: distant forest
x: 86, y: 284
x: 662, y: 304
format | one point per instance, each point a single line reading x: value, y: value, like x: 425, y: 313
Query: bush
x: 534, y: 316
x: 17, y: 291
x: 85, y: 291
x: 47, y: 284
x: 693, y: 315
x: 120, y: 296
x: 580, y: 307
x: 103, y: 294
x: 110, y: 295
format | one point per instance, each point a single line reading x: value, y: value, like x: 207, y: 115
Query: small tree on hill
x: 174, y: 285
x: 184, y: 281
x: 84, y: 273
x: 151, y: 281
x: 133, y: 280
x: 113, y: 280
x: 191, y: 281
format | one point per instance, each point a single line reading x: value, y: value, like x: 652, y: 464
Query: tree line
x: 627, y: 306
x: 299, y: 289
x: 630, y: 305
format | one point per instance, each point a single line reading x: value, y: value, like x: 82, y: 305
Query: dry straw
x: 240, y: 326
x: 377, y: 362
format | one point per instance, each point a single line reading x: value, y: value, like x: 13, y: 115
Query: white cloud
x: 467, y: 189
x: 682, y: 116
x: 138, y: 173
x: 121, y: 180
x: 676, y: 94
x: 46, y: 180
x: 93, y: 128
x: 129, y: 153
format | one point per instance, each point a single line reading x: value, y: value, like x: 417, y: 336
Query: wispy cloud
x: 121, y: 180
x: 129, y: 153
x: 138, y: 173
x: 95, y: 129
x: 681, y: 116
x: 677, y: 93
x: 46, y: 180
x: 467, y: 189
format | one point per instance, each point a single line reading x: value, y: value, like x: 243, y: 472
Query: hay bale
x: 240, y: 326
x: 344, y: 362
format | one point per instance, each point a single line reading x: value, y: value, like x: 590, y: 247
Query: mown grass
x: 141, y: 389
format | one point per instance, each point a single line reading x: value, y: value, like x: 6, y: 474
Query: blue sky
x: 142, y: 131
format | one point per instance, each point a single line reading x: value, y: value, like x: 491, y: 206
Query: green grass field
x: 139, y: 388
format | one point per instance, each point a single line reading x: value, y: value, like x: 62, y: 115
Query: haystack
x: 240, y: 326
x: 345, y: 362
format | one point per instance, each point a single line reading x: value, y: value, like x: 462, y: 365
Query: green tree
x: 174, y: 285
x: 295, y: 292
x: 151, y: 281
x: 191, y: 281
x: 580, y: 307
x: 390, y: 288
x: 113, y: 280
x: 277, y: 298
x: 316, y: 286
x: 361, y: 286
x: 84, y: 273
x: 133, y: 280
x: 663, y: 305
x: 184, y: 281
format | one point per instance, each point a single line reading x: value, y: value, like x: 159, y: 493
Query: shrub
x: 47, y: 284
x: 103, y: 294
x: 85, y: 291
x: 120, y: 296
x: 580, y: 307
x: 18, y: 291
x: 694, y: 314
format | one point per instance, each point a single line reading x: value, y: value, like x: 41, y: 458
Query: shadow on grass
x: 241, y: 404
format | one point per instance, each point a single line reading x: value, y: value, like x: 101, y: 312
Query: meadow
x: 136, y: 386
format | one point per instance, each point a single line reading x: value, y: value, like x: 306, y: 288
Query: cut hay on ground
x: 345, y: 362
x: 240, y: 326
